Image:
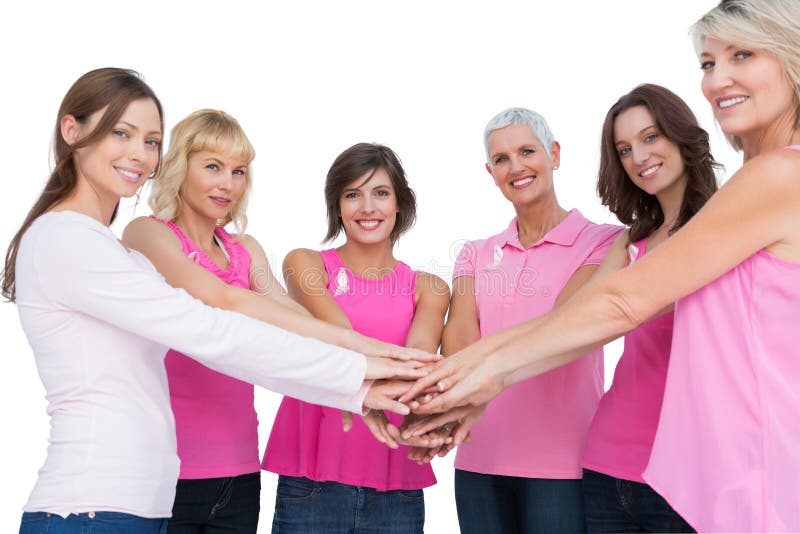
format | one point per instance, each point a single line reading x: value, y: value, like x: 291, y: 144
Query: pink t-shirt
x: 215, y: 422
x: 727, y: 451
x: 307, y: 440
x: 535, y: 428
x: 624, y: 426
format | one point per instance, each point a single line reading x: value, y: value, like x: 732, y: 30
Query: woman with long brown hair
x: 656, y: 172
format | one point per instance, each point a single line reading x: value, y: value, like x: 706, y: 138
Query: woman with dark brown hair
x: 332, y: 481
x: 656, y: 172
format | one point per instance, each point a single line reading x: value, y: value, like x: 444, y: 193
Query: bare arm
x: 156, y: 241
x: 756, y: 209
x: 163, y: 249
x: 614, y: 260
x: 432, y: 298
x: 462, y: 328
x: 263, y: 281
x: 467, y: 322
x: 307, y: 281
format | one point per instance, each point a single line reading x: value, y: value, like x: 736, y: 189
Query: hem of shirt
x: 379, y: 486
x: 697, y: 525
x: 572, y: 474
x: 615, y: 472
x: 220, y: 471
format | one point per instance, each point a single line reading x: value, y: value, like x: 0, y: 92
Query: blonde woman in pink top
x: 203, y: 186
x: 656, y: 172
x: 513, y: 476
x: 725, y: 453
x: 333, y: 481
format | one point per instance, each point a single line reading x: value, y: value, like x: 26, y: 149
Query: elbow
x: 427, y: 338
x: 448, y: 341
x: 622, y: 312
x: 228, y: 300
x: 456, y: 337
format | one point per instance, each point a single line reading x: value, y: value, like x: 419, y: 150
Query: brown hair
x: 632, y: 206
x: 355, y: 162
x: 109, y: 88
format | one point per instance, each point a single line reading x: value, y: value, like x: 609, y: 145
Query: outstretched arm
x: 263, y: 281
x: 153, y: 239
x: 756, y: 209
x: 110, y: 284
x: 463, y: 418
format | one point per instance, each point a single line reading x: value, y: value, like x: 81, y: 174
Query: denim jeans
x: 90, y: 523
x: 619, y: 505
x: 303, y: 506
x: 504, y: 504
x: 212, y: 505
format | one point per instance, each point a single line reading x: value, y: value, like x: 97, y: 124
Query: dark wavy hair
x: 675, y: 121
x: 109, y: 88
x: 355, y: 162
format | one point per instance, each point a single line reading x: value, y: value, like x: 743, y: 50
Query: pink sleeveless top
x: 624, y: 426
x: 727, y: 451
x: 215, y: 422
x: 307, y: 440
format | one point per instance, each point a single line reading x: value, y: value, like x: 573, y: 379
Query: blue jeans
x: 504, y: 504
x: 303, y: 506
x: 211, y: 505
x: 90, y: 523
x: 618, y: 505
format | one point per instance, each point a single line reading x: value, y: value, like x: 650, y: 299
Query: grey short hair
x: 533, y: 120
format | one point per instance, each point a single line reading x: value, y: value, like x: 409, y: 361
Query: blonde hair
x: 772, y: 26
x: 206, y: 129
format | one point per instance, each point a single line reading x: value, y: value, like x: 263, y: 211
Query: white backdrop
x: 308, y: 79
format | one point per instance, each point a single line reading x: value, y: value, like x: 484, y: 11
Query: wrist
x: 500, y: 367
x: 350, y: 339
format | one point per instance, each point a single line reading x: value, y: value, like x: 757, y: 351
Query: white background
x: 306, y: 80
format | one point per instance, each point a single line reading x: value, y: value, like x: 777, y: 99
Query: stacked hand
x: 467, y: 378
x: 456, y: 424
x: 439, y: 409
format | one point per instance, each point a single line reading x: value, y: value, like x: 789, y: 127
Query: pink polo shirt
x: 536, y: 428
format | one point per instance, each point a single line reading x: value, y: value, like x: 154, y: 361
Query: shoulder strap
x: 189, y: 248
x: 331, y: 260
